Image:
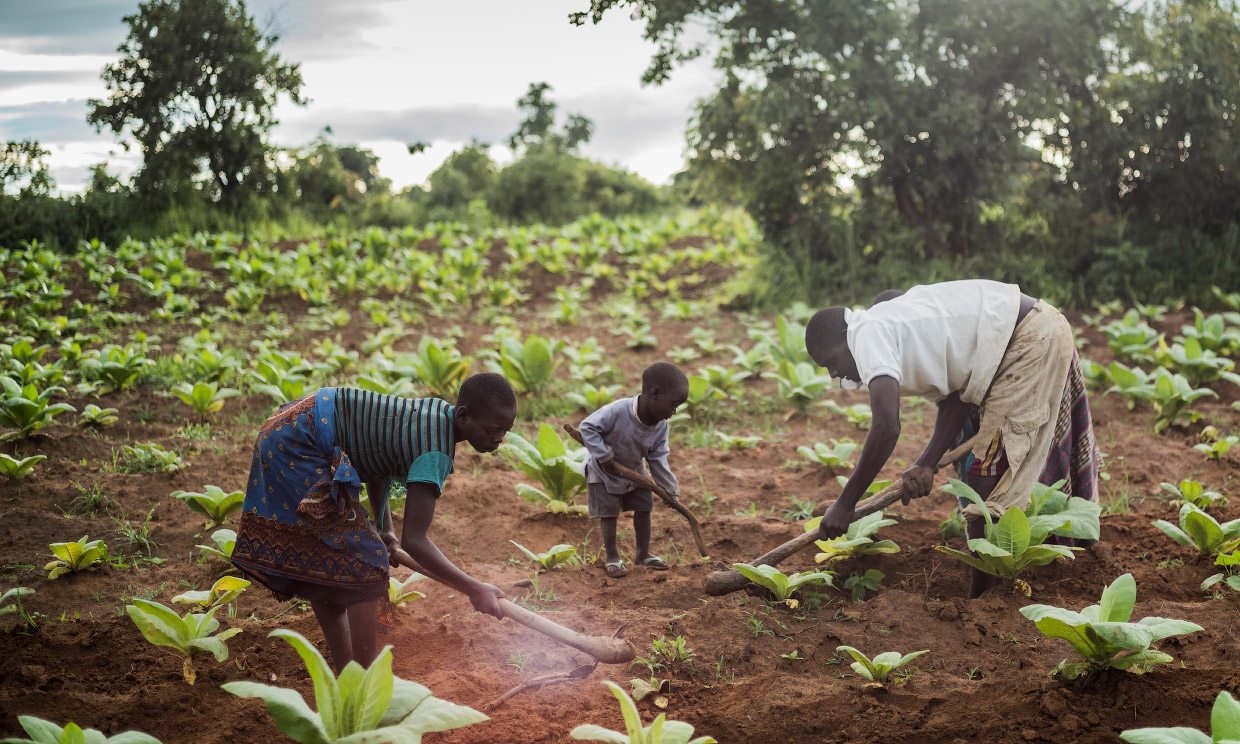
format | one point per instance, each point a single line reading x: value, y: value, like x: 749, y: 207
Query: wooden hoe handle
x: 606, y: 649
x: 641, y: 480
x: 730, y: 580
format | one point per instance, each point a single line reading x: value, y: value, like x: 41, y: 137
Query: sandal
x: 616, y: 570
x: 655, y: 563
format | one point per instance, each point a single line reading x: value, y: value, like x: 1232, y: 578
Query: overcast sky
x: 381, y: 73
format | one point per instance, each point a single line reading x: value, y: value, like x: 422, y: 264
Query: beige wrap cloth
x: 1022, y: 404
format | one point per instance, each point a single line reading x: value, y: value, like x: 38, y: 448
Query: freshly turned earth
x: 984, y: 680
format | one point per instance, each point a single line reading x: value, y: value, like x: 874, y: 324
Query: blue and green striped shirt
x: 388, y: 437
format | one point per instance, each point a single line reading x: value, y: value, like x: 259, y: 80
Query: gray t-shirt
x: 615, y: 432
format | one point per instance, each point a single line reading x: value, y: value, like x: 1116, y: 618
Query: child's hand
x: 610, y: 468
x: 485, y: 598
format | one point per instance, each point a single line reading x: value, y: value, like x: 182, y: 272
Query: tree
x: 196, y: 86
x: 23, y: 169
x: 538, y: 126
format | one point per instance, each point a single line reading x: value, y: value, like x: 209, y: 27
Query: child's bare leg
x: 979, y: 581
x: 335, y: 624
x: 364, y: 628
x: 608, y: 527
x: 641, y: 529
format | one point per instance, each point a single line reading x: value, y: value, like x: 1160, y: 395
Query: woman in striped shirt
x: 304, y: 532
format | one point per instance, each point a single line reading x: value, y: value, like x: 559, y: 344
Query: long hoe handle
x: 648, y: 484
x: 606, y: 649
x: 730, y: 580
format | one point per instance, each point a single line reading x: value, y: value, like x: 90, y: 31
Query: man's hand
x: 485, y: 598
x: 916, y: 482
x: 835, y: 522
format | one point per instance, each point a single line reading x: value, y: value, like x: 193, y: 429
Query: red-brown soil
x: 984, y: 680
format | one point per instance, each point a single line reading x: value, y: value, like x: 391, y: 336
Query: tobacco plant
x: 554, y: 556
x: 800, y: 384
x: 1229, y: 576
x: 222, y: 592
x: 878, y: 670
x: 591, y: 397
x: 1212, y: 333
x: 1198, y: 365
x: 1224, y: 727
x: 399, y: 592
x: 115, y: 367
x: 441, y: 370
x: 1131, y: 337
x: 1202, y: 531
x: 1192, y: 492
x: 781, y: 585
x: 856, y: 541
x: 860, y: 583
x: 204, y: 397
x: 660, y: 731
x: 1102, y: 635
x: 14, y: 468
x: 361, y: 705
x: 46, y: 732
x: 71, y: 557
x: 216, y: 503
x: 830, y: 457
x: 737, y: 442
x: 702, y: 395
x: 858, y: 414
x: 225, y: 540
x: 529, y: 366
x: 148, y: 458
x: 1171, y: 395
x: 1082, y: 514
x: 1012, y: 544
x: 93, y: 415
x: 560, y: 471
x: 1218, y: 447
x: 28, y: 410
x: 190, y: 634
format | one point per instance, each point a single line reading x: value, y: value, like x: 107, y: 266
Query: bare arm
x: 879, y: 444
x: 419, y: 511
x: 918, y: 479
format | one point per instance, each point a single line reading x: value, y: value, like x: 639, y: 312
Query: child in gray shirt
x: 626, y: 432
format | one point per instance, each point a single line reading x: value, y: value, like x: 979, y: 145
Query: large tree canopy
x: 835, y: 117
x: 196, y: 86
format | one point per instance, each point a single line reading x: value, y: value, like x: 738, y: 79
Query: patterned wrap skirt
x: 304, y: 532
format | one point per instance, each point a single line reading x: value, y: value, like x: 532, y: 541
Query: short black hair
x: 826, y: 328
x: 665, y: 376
x: 886, y: 294
x: 487, y: 391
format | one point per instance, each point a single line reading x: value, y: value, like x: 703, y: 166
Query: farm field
x: 274, y: 321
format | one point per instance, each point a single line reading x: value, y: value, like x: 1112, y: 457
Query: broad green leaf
x: 287, y: 708
x: 1118, y: 600
x: 326, y: 691
x: 1225, y: 718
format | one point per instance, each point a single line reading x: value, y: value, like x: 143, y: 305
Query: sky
x: 380, y: 73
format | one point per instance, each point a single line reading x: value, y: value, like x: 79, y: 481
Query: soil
x: 985, y: 678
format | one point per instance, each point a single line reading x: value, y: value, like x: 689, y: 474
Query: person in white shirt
x: 962, y: 344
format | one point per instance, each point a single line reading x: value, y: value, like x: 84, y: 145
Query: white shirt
x: 937, y: 339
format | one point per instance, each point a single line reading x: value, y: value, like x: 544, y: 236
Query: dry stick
x: 655, y: 488
x: 605, y: 649
x: 730, y: 580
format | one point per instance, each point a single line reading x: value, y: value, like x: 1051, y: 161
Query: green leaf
x: 1118, y: 600
x: 1175, y: 735
x: 287, y: 708
x: 1012, y: 532
x: 1225, y: 718
x: 326, y: 690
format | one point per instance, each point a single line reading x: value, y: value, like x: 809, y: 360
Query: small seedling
x: 72, y: 557
x: 204, y: 397
x: 222, y: 592
x: 162, y: 626
x: 861, y: 583
x: 831, y: 457
x: 856, y: 541
x: 878, y: 669
x: 781, y: 585
x: 660, y: 731
x: 555, y: 556
x: 93, y: 415
x: 1202, y: 531
x: 13, y: 468
x: 1230, y: 576
x: 1192, y: 492
x: 215, y: 503
x: 16, y: 594
x: 225, y: 540
x: 399, y: 592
